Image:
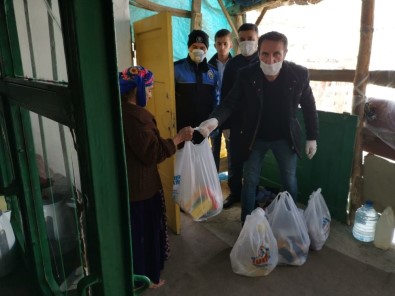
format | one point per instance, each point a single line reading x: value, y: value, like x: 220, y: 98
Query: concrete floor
x: 200, y: 265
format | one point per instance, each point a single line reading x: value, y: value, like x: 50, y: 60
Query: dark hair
x: 222, y: 33
x: 248, y: 27
x: 273, y: 36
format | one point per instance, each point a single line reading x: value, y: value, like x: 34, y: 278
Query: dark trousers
x: 216, y: 141
x: 235, y: 164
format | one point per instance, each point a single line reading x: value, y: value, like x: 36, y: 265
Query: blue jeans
x: 287, y: 161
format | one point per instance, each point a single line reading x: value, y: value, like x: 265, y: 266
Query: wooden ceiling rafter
x: 146, y: 4
x: 231, y: 11
x: 228, y: 17
x: 261, y: 15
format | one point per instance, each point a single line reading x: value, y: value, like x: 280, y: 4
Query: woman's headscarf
x: 136, y: 77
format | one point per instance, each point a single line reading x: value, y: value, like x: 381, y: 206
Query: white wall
x: 122, y: 33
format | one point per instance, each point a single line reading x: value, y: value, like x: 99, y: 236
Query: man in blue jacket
x: 267, y: 94
x: 195, y: 83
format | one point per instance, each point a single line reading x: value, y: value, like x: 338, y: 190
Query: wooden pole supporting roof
x: 196, y: 15
x: 226, y: 13
x: 146, y: 4
x: 360, y: 82
x: 260, y: 17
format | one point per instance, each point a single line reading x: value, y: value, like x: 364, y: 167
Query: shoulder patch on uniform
x: 210, y: 74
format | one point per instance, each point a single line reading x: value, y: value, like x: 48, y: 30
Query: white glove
x: 207, y: 126
x: 311, y: 148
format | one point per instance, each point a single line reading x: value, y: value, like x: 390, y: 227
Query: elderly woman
x: 145, y: 149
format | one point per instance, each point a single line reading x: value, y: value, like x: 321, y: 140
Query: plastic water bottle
x: 385, y: 229
x: 365, y: 222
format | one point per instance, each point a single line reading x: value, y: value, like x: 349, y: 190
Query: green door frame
x: 88, y: 104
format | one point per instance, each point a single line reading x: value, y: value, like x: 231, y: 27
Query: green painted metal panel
x: 93, y: 79
x: 48, y: 99
x: 11, y: 62
x: 29, y: 190
x: 330, y: 169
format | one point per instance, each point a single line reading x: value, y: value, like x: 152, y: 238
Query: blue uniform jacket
x: 196, y: 91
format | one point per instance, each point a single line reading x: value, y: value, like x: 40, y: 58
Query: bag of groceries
x: 318, y: 220
x: 196, y: 187
x: 255, y: 251
x: 290, y: 230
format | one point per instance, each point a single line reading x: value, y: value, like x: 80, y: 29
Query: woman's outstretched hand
x: 184, y: 134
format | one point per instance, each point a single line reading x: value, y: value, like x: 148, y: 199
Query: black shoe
x: 230, y: 201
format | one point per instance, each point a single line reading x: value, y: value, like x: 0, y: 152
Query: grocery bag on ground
x: 289, y: 228
x: 255, y: 251
x: 318, y: 220
x: 196, y: 187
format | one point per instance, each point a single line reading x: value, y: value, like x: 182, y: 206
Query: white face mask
x: 197, y: 55
x: 248, y: 48
x: 272, y: 69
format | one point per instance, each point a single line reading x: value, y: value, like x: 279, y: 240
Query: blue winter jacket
x: 196, y: 91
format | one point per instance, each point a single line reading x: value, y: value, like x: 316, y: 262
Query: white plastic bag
x: 255, y: 251
x: 290, y: 230
x: 196, y: 187
x: 318, y: 220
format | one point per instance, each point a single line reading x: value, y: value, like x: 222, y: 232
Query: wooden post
x: 260, y: 17
x: 146, y: 4
x: 226, y: 13
x: 196, y: 15
x: 360, y: 81
x: 239, y: 22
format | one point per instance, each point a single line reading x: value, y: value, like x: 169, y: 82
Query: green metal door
x: 330, y: 169
x: 63, y: 168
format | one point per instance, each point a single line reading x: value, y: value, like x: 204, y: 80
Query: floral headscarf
x: 133, y: 77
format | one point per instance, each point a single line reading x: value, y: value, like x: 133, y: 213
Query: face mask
x: 248, y: 48
x: 272, y: 69
x: 197, y: 55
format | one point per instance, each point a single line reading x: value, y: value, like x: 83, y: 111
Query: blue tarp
x: 213, y: 20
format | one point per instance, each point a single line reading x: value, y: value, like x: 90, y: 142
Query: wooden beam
x: 382, y: 78
x: 196, y: 16
x: 358, y: 104
x: 237, y: 9
x: 332, y: 75
x: 234, y: 29
x: 158, y: 8
x: 260, y: 17
x: 239, y: 21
